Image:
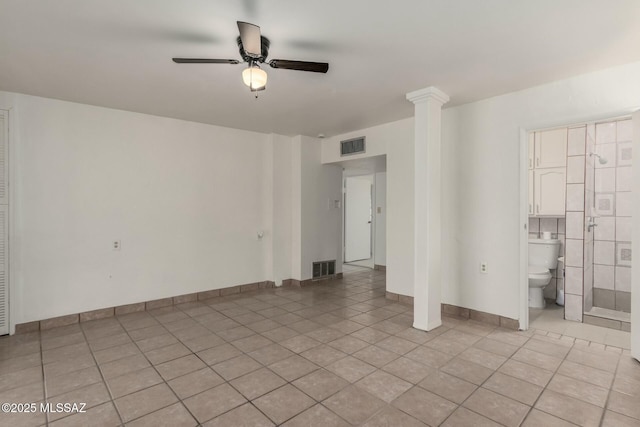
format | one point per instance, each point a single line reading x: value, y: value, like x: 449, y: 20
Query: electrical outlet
x: 116, y: 245
x: 484, y: 267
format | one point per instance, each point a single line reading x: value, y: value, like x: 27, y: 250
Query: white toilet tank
x: 544, y: 252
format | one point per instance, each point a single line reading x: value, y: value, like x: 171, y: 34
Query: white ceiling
x: 117, y: 53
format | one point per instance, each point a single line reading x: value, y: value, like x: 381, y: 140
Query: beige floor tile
x: 195, y: 382
x: 283, y: 403
x: 323, y: 355
x: 145, y: 401
x: 425, y: 406
x: 483, y: 358
x: 369, y: 335
x: 271, y: 354
x: 538, y: 418
x: 65, y: 352
x: 605, y: 361
x: 20, y: 378
x: 245, y: 415
x: 174, y: 415
x: 467, y: 371
x: 300, y: 343
x: 540, y: 360
x: 555, y: 349
x: 257, y: 383
x: 375, y: 356
x: 350, y: 368
x: 448, y: 386
x: 123, y: 366
x: 66, y: 366
x: 164, y: 354
x: 464, y: 417
x: 348, y: 344
x: 19, y: 419
x: 33, y: 392
x: 383, y: 385
x: 133, y: 381
x: 320, y: 384
x: 520, y: 390
x: 624, y: 404
x: 317, y: 415
x: 429, y: 356
x: 585, y: 373
x: 569, y: 409
x: 236, y: 367
x: 325, y: 334
x: 613, y: 419
x: 497, y: 347
x: 181, y: 366
x: 390, y: 416
x: 116, y: 352
x: 213, y: 402
x: 529, y: 373
x: 104, y: 415
x: 626, y: 385
x: 397, y: 345
x: 279, y: 334
x: 353, y: 404
x: 203, y: 342
x: 579, y: 389
x: 496, y: 407
x: 65, y: 383
x: 91, y: 395
x: 447, y: 345
x: 215, y: 355
x: 408, y: 370
x: 293, y: 367
x: 234, y: 334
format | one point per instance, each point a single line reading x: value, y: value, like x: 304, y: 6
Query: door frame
x: 523, y: 248
x: 372, y: 225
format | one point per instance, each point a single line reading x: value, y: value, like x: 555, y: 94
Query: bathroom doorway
x: 591, y: 282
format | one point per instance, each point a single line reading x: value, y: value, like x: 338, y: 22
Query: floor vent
x: 352, y: 146
x: 324, y: 269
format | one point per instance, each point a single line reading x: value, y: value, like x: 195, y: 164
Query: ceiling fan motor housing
x: 264, y: 42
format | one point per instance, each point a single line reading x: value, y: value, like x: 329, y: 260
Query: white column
x: 427, y: 188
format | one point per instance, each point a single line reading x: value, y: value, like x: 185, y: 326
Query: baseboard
x: 295, y: 283
x: 464, y: 313
x: 102, y: 313
x: 380, y: 267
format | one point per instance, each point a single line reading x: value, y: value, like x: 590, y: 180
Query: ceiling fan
x: 254, y: 49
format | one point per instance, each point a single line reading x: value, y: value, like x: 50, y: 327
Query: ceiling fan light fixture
x: 254, y: 77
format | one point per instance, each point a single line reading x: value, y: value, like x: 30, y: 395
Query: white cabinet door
x: 531, y: 194
x: 551, y: 148
x: 532, y: 149
x: 550, y: 185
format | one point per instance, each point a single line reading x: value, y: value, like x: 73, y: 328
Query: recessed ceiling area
x: 118, y: 54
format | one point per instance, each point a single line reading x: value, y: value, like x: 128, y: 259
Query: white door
x: 357, y: 219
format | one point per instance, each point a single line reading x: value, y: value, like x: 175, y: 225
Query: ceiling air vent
x: 352, y: 146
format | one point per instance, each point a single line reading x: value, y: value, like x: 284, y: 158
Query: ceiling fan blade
x: 250, y: 36
x: 316, y: 67
x: 204, y: 61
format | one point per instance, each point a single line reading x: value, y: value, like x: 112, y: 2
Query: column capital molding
x: 425, y: 94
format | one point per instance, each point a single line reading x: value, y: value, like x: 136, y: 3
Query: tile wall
x: 612, y: 209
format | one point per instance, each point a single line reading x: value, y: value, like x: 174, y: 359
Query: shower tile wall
x: 556, y: 226
x: 612, y: 207
x: 589, y: 194
x: 576, y: 252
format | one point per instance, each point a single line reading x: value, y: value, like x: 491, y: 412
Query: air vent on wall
x: 352, y: 146
x: 324, y: 269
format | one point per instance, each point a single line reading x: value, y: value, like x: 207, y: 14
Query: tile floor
x: 336, y: 354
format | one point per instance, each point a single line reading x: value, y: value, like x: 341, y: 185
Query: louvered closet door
x: 4, y: 224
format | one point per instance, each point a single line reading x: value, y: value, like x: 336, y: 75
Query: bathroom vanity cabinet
x: 547, y: 172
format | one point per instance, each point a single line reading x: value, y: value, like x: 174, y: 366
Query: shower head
x: 602, y: 160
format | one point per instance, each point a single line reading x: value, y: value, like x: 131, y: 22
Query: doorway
x: 358, y: 217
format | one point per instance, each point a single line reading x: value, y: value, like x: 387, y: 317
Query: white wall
x: 480, y: 158
x: 480, y: 195
x: 380, y: 219
x: 185, y: 199
x: 396, y: 141
x: 321, y: 222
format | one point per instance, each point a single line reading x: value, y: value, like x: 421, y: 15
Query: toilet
x: 543, y: 256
